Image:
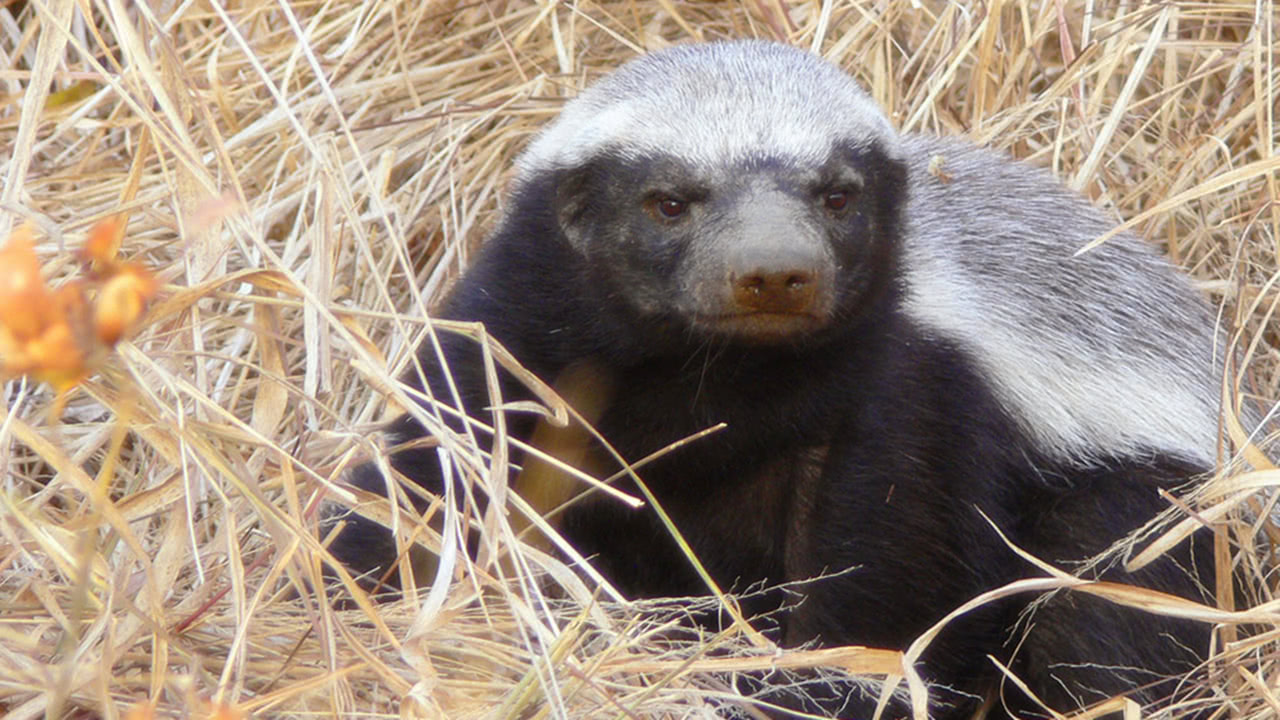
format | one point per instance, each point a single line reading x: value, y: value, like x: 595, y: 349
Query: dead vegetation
x: 305, y: 179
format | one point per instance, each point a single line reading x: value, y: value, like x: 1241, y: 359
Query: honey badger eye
x: 669, y: 208
x: 837, y: 200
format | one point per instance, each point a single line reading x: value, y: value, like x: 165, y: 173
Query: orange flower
x: 104, y: 240
x: 121, y: 302
x: 23, y: 295
x: 56, y: 336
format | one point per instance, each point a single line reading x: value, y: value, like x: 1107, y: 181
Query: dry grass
x: 307, y: 178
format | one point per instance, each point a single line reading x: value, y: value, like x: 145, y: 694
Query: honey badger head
x: 742, y: 190
x: 751, y: 192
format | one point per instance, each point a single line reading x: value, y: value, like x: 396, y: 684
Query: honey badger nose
x: 788, y: 290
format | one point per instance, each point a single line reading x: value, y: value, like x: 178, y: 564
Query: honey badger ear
x: 577, y: 191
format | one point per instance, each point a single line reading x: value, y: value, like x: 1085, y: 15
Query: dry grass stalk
x: 307, y: 179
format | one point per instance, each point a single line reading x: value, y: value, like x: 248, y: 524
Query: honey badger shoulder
x: 1082, y: 348
x: 733, y: 233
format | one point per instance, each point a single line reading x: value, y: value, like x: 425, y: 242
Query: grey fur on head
x: 1104, y: 354
x: 726, y: 109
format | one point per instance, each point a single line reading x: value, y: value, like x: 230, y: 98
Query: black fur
x: 865, y: 450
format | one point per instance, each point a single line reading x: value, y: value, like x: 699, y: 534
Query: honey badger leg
x: 367, y: 549
x: 1070, y: 649
x: 1079, y: 650
x: 1073, y: 649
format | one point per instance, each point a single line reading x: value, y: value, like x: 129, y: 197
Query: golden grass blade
x: 54, y: 15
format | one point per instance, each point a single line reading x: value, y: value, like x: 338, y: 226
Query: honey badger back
x: 734, y: 233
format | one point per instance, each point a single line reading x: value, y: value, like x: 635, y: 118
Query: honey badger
x: 903, y: 346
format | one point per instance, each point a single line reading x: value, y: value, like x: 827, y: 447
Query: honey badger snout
x: 775, y: 275
x: 770, y: 293
x: 777, y: 262
x: 768, y: 274
x: 780, y: 287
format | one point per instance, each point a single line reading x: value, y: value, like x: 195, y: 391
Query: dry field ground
x: 305, y: 179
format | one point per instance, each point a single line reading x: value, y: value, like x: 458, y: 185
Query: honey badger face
x: 762, y: 252
x: 748, y: 192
